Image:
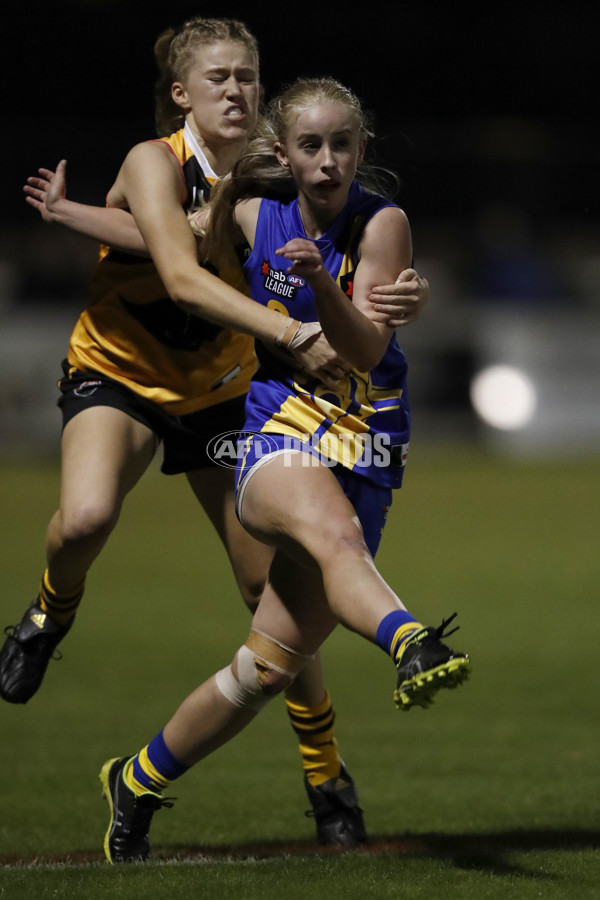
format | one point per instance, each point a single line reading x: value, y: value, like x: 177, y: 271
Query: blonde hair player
x: 306, y: 484
x: 142, y: 371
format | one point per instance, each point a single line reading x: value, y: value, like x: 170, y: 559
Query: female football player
x: 317, y: 465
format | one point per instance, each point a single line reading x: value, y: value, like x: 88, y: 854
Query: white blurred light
x: 503, y: 397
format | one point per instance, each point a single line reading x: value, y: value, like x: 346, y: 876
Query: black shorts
x: 185, y: 439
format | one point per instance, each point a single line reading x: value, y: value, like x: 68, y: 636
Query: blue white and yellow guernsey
x: 365, y: 424
x: 135, y: 334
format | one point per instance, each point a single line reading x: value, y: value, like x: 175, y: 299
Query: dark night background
x: 488, y: 112
x: 476, y: 102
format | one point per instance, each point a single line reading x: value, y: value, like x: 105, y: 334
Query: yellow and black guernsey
x: 365, y: 424
x: 135, y: 334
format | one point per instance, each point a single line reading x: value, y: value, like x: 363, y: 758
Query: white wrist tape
x: 305, y: 331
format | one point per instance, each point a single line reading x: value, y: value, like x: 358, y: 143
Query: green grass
x: 494, y: 792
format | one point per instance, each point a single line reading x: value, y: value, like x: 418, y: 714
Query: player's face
x: 323, y: 148
x: 220, y: 94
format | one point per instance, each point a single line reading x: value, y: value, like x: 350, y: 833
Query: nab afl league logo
x: 278, y: 282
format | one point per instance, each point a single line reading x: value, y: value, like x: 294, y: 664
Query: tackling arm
x: 47, y: 192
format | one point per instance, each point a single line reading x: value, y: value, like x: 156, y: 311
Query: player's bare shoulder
x: 388, y: 231
x: 390, y: 218
x: 246, y: 217
x: 151, y: 162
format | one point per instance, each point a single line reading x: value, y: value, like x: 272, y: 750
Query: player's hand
x: 319, y: 360
x: 400, y: 303
x: 46, y: 190
x: 305, y: 256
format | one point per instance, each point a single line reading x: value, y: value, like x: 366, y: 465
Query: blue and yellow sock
x: 61, y: 609
x: 153, y: 768
x: 316, y: 741
x: 394, y: 630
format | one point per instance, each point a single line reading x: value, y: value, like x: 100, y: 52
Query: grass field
x: 494, y: 792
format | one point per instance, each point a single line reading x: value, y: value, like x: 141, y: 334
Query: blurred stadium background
x: 488, y: 119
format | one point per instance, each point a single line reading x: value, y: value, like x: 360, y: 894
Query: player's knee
x: 87, y: 522
x: 273, y: 682
x: 351, y: 538
x: 341, y: 539
x: 263, y: 668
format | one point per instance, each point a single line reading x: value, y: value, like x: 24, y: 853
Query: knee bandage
x: 264, y: 668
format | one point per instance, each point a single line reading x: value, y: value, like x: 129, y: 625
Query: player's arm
x: 151, y: 184
x: 47, y: 192
x: 385, y: 249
